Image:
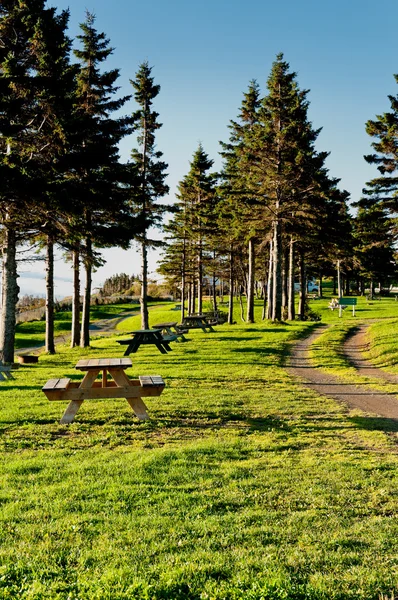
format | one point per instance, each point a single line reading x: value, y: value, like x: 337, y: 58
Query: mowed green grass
x: 243, y: 484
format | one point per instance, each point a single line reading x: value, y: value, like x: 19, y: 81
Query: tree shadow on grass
x: 211, y: 420
x: 168, y: 421
x: 256, y: 350
x: 281, y: 329
x: 375, y: 423
x: 240, y: 338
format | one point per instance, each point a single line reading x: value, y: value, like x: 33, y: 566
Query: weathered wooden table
x: 120, y: 386
x: 197, y: 322
x: 171, y: 332
x: 146, y: 336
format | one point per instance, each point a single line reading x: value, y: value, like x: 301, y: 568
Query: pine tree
x: 148, y: 174
x: 97, y: 170
x: 51, y: 47
x: 31, y: 132
x: 384, y: 130
x: 288, y: 177
x: 236, y: 175
x: 373, y: 243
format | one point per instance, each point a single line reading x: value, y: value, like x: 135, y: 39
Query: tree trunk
x: 320, y: 286
x: 264, y: 310
x: 75, y: 333
x: 242, y: 316
x: 193, y: 298
x: 49, y: 342
x: 190, y: 311
x: 88, y: 265
x: 10, y: 291
x: 303, y: 288
x: 183, y: 282
x: 231, y: 287
x: 250, y: 284
x: 372, y: 289
x: 200, y: 278
x: 277, y: 273
x: 214, y: 292
x: 334, y: 286
x: 285, y: 276
x: 291, y: 309
x: 339, y: 288
x: 144, y: 285
x: 270, y: 281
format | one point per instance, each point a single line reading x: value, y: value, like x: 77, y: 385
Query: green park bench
x: 344, y: 302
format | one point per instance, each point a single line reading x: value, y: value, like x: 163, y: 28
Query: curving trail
x: 353, y: 348
x: 365, y: 397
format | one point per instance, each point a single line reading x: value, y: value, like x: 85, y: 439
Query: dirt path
x: 365, y: 397
x: 353, y: 348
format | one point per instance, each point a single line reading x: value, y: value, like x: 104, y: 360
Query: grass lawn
x: 243, y: 484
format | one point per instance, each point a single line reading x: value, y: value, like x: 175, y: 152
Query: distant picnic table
x: 171, y: 330
x: 198, y: 321
x: 147, y: 336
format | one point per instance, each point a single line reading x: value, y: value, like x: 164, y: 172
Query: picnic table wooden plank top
x: 144, y: 331
x: 103, y: 363
x: 171, y: 324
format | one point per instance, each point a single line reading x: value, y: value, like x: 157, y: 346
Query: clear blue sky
x: 204, y: 54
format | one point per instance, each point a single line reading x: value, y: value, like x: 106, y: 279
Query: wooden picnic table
x: 171, y: 330
x: 147, y: 336
x: 89, y: 389
x: 197, y: 322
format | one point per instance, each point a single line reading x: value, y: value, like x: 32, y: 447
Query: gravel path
x: 354, y: 346
x: 365, y: 397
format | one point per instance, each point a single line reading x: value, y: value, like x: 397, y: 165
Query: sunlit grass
x: 242, y: 485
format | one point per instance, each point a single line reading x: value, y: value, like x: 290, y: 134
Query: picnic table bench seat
x: 216, y: 317
x: 188, y: 327
x: 169, y: 338
x: 54, y: 387
x: 181, y: 329
x: 151, y: 381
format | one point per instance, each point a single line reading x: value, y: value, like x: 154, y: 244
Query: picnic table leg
x: 139, y: 408
x: 136, y: 404
x: 71, y: 411
x: 132, y: 348
x: 163, y: 347
x: 74, y: 405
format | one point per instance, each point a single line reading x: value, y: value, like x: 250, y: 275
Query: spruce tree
x: 97, y: 170
x: 373, y: 243
x: 148, y: 174
x: 236, y: 175
x: 51, y: 47
x: 32, y: 139
x: 384, y: 131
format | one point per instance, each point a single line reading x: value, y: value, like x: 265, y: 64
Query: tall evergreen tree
x: 236, y: 175
x: 51, y: 47
x: 98, y: 171
x: 373, y: 244
x: 31, y: 132
x: 384, y: 130
x: 148, y: 174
